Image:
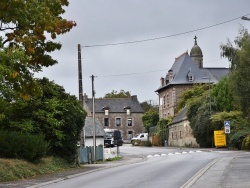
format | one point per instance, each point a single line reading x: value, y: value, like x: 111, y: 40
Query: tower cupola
x: 196, y: 53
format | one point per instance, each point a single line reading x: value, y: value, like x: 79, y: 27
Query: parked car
x: 141, y: 137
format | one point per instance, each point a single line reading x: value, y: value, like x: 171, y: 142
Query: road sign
x: 219, y: 138
x: 227, y: 126
x: 227, y: 129
x: 227, y: 123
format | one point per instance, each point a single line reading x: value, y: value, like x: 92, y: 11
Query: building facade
x: 180, y: 132
x: 124, y: 114
x: 186, y: 71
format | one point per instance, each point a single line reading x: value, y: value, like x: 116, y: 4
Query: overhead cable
x: 162, y: 37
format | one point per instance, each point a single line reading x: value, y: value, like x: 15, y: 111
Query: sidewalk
x: 224, y: 172
x: 86, y: 168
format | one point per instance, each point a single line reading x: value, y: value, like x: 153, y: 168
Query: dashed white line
x: 176, y: 153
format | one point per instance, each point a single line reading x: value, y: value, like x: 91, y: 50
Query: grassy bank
x: 12, y: 169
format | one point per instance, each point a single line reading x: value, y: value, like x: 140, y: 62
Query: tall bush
x: 22, y: 146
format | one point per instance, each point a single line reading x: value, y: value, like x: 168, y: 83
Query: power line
x: 163, y: 37
x: 129, y: 74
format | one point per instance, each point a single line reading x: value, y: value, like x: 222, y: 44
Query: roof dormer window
x: 190, y: 76
x: 128, y: 110
x: 106, y: 110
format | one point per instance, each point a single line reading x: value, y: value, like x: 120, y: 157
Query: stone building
x: 186, y: 71
x: 124, y: 114
x: 180, y: 132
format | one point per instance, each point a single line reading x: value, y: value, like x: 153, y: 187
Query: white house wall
x: 89, y: 141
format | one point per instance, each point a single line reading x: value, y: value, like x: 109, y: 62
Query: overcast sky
x: 137, y: 67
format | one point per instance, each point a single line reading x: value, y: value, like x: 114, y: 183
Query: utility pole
x: 82, y: 142
x: 82, y: 134
x: 93, y: 114
x: 80, y: 75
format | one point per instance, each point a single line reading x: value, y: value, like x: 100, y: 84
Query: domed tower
x: 196, y: 54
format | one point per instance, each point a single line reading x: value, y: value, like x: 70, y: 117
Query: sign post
x: 227, y: 126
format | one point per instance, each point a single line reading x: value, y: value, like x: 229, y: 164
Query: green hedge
x: 246, y: 143
x: 22, y: 146
x: 237, y: 138
x: 141, y: 143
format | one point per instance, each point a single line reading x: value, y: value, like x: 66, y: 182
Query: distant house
x: 180, y: 132
x: 124, y: 114
x: 186, y: 71
x: 89, y: 132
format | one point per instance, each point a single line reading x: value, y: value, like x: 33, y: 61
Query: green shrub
x: 141, y: 143
x: 246, y: 143
x: 237, y: 138
x: 156, y: 140
x: 136, y: 142
x: 22, y: 146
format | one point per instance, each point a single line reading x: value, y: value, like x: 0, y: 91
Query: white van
x: 141, y: 137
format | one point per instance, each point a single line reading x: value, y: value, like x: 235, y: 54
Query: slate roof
x: 89, y: 129
x: 181, y: 116
x: 185, y: 65
x: 115, y: 105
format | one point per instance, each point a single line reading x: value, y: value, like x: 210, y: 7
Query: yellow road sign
x: 219, y: 138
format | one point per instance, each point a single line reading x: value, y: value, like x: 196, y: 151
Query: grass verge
x: 114, y: 158
x: 13, y: 169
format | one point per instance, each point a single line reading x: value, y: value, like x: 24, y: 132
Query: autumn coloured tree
x: 27, y: 30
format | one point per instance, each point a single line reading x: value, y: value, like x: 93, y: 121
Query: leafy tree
x: 27, y: 30
x: 150, y: 119
x: 238, y: 121
x: 55, y: 114
x: 26, y: 23
x: 16, y: 80
x: 199, y: 117
x: 189, y: 94
x: 239, y: 56
x: 147, y: 105
x: 116, y: 94
x: 222, y: 96
x: 238, y: 128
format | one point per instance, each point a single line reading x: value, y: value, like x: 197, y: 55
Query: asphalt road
x: 155, y: 167
x: 163, y: 168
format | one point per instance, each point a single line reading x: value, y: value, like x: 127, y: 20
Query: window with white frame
x: 130, y: 122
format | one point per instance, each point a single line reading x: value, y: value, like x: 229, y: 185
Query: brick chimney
x: 170, y: 75
x: 85, y: 97
x: 134, y: 97
x: 162, y: 81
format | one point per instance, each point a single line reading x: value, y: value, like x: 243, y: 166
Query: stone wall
x: 180, y: 135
